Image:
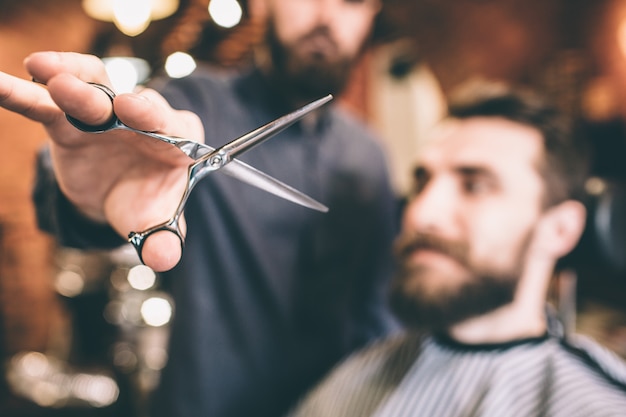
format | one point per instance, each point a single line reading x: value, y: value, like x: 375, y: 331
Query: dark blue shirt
x: 268, y: 295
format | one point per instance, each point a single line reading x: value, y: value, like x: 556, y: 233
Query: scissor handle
x: 137, y: 239
x: 98, y: 128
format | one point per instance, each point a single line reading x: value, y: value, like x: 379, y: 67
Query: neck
x: 505, y: 324
x: 523, y: 318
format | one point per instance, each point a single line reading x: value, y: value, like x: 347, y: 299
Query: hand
x: 122, y: 178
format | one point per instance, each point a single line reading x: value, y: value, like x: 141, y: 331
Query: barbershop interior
x: 85, y: 332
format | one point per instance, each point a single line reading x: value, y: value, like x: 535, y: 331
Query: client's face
x: 468, y: 226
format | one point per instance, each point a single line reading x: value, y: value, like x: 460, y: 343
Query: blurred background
x: 84, y: 333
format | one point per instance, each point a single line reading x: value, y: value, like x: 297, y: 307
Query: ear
x: 560, y: 228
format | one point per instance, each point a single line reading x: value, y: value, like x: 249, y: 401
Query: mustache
x: 321, y: 31
x: 408, y: 242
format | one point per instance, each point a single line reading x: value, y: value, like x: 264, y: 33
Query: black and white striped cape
x: 412, y: 375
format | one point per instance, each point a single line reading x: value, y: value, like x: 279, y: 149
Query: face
x: 467, y: 228
x: 314, y: 43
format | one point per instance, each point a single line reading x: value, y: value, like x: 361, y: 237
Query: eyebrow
x: 475, y: 171
x: 421, y: 173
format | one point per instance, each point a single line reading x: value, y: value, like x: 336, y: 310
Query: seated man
x: 496, y: 203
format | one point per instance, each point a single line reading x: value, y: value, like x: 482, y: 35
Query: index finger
x: 67, y: 74
x: 43, y: 66
x: 80, y: 99
x: 28, y: 99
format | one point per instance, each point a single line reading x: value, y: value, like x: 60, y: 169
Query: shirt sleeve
x: 57, y: 216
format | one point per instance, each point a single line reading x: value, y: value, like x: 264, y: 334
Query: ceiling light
x: 130, y: 17
x: 225, y: 13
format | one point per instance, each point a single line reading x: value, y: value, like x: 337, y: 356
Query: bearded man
x: 496, y: 203
x: 268, y: 295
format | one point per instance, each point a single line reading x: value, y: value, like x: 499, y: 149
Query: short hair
x: 564, y: 167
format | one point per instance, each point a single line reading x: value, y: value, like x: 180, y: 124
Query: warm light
x: 33, y: 364
x: 131, y: 17
x: 155, y: 357
x: 141, y: 277
x: 97, y: 390
x: 69, y: 283
x: 156, y: 311
x: 126, y: 72
x: 595, y: 186
x: 225, y: 13
x: 179, y: 64
x: 49, y: 382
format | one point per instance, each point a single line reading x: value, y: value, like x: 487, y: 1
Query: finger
x: 28, y: 99
x: 161, y: 251
x: 43, y: 66
x: 80, y: 100
x: 129, y: 209
x: 148, y: 110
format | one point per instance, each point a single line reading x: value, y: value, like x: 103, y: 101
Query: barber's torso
x: 270, y: 294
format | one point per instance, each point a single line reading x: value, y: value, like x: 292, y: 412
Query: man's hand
x: 125, y: 179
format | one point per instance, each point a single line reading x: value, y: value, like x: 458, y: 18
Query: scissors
x: 207, y: 160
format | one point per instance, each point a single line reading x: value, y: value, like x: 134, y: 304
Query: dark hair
x: 564, y: 166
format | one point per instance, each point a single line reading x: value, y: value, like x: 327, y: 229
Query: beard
x: 480, y: 290
x: 305, y: 77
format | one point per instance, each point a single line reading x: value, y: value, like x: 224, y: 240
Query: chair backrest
x: 608, y: 222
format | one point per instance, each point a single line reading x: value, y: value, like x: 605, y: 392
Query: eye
x: 477, y: 184
x: 420, y: 180
x: 367, y: 3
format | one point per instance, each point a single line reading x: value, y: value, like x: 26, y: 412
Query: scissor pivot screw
x: 216, y: 161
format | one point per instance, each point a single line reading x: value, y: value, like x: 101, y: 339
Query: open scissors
x: 207, y: 160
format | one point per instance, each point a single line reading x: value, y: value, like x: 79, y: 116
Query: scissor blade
x: 259, y: 179
x: 244, y: 143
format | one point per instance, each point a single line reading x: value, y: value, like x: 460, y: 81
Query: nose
x: 329, y: 11
x: 434, y: 209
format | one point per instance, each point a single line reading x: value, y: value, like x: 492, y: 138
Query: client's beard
x: 301, y: 79
x: 482, y: 290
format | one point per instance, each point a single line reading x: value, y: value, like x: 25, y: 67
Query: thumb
x: 161, y: 250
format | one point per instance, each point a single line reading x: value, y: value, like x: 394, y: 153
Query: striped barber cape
x: 412, y: 375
